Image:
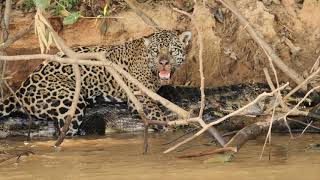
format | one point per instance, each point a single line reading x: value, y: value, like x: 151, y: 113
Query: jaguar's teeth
x: 164, y: 75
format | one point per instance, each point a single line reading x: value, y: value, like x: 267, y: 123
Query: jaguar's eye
x: 154, y: 53
x: 155, y: 50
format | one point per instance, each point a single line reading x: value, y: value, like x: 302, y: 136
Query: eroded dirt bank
x: 230, y: 55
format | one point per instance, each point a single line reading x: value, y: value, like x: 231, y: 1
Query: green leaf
x: 105, y: 10
x: 103, y: 27
x: 41, y: 4
x: 220, y: 158
x: 71, y: 18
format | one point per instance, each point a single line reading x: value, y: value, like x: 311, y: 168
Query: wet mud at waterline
x: 120, y: 157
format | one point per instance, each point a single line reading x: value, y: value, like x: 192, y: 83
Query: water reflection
x: 120, y: 157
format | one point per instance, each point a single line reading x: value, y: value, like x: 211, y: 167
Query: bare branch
x: 302, y: 83
x: 263, y: 44
x: 263, y: 95
x: 6, y: 20
x: 212, y: 130
x: 249, y: 132
x: 305, y: 128
x: 142, y: 15
x: 74, y: 105
x: 16, y: 37
x: 297, y: 105
x: 268, y: 78
x: 24, y: 109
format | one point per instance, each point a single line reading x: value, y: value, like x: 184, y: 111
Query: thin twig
x: 305, y: 129
x: 212, y: 130
x: 297, y: 105
x: 268, y: 137
x: 269, y: 81
x: 142, y: 15
x: 23, y: 108
x: 4, y: 22
x: 76, y: 69
x: 315, y: 65
x: 278, y: 98
x: 302, y: 84
x: 263, y: 95
x: 257, y: 37
x: 16, y: 37
x: 300, y: 122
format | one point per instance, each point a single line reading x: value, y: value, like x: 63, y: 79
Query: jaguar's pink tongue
x: 164, y: 75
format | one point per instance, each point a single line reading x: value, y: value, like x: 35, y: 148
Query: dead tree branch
x: 212, y: 130
x: 261, y: 96
x: 142, y: 15
x: 247, y: 133
x: 16, y: 37
x: 257, y: 37
x: 303, y: 83
x: 268, y: 78
x: 252, y: 131
x: 297, y: 105
x: 4, y: 22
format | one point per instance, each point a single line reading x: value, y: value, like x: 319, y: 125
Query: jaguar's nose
x: 164, y: 62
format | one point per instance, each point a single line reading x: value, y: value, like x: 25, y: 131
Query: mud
x: 121, y: 158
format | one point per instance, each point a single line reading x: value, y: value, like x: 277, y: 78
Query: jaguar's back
x: 48, y: 92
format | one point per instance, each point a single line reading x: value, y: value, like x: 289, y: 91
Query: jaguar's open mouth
x: 164, y: 69
x: 164, y: 75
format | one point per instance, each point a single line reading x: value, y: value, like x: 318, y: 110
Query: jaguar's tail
x: 8, y: 106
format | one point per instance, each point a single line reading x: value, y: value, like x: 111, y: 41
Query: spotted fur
x: 48, y: 92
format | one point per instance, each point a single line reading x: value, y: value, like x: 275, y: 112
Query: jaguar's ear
x: 185, y: 37
x: 147, y: 41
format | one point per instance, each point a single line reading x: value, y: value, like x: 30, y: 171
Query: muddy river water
x: 120, y: 156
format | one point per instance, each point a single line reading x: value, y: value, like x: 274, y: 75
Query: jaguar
x: 47, y: 93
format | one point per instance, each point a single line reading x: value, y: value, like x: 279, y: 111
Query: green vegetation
x: 68, y: 9
x: 28, y: 4
x: 59, y: 6
x: 189, y: 4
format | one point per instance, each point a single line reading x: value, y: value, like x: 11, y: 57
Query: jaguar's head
x: 165, y: 52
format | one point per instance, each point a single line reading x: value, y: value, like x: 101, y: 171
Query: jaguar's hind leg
x: 76, y: 120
